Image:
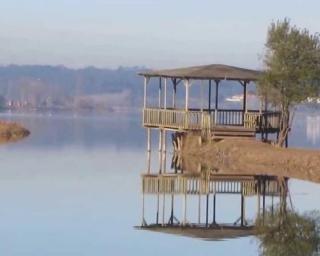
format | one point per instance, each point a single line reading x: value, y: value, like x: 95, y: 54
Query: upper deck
x: 210, y: 116
x: 198, y: 120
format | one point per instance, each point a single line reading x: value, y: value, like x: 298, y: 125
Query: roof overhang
x: 206, y: 72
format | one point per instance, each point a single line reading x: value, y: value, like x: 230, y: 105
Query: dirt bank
x: 10, y: 132
x: 250, y: 157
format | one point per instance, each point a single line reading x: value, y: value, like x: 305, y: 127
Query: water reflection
x: 286, y: 232
x: 313, y: 128
x: 173, y: 196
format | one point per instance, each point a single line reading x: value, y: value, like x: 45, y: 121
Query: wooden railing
x: 196, y: 119
x: 196, y: 184
x: 262, y: 121
x: 229, y: 117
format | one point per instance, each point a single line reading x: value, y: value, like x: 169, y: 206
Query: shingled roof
x: 206, y: 72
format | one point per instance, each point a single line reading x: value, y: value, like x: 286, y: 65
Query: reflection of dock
x: 213, y: 234
x: 247, y: 185
x: 208, y: 185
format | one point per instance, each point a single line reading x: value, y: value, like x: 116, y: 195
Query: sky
x: 149, y: 33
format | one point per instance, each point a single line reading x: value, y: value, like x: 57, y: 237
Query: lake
x: 73, y: 188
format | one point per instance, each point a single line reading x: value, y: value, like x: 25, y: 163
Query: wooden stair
x: 232, y: 132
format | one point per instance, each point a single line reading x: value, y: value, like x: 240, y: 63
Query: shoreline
x: 12, y: 132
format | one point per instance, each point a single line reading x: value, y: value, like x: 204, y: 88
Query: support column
x: 158, y: 205
x: 244, y: 100
x: 184, y: 209
x: 244, y: 96
x: 242, y: 210
x: 201, y: 95
x: 172, y: 205
x: 186, y: 83
x: 148, y: 150
x: 160, y: 150
x: 145, y: 93
x: 143, y: 222
x: 174, y: 81
x: 214, y: 209
x: 164, y: 151
x: 163, y: 208
x: 209, y: 101
x: 199, y: 209
x: 160, y: 93
x: 165, y: 93
x: 216, y: 102
x: 264, y: 199
x: 207, y: 211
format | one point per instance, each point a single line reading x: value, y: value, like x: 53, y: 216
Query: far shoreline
x: 12, y: 132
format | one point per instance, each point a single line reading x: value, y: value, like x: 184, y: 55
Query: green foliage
x: 292, y: 62
x: 292, y: 69
x: 287, y: 233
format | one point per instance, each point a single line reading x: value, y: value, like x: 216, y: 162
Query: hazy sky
x: 153, y: 33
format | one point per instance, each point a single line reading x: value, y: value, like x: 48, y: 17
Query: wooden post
x: 245, y: 96
x: 172, y: 205
x: 145, y: 93
x: 158, y: 203
x: 148, y: 150
x: 201, y: 95
x: 160, y: 150
x: 214, y: 209
x: 207, y: 211
x: 199, y: 208
x: 258, y: 203
x: 163, y: 208
x: 165, y: 93
x: 184, y: 209
x: 164, y: 151
x: 217, y: 102
x: 209, y: 103
x: 186, y: 83
x: 264, y: 199
x: 160, y: 92
x: 143, y: 220
x: 242, y: 210
x: 244, y: 100
x: 174, y: 92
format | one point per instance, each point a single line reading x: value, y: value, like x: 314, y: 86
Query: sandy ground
x: 10, y: 132
x: 249, y: 156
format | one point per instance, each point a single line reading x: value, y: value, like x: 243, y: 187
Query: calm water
x: 73, y: 188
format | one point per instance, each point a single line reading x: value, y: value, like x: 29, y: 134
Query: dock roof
x: 207, y: 72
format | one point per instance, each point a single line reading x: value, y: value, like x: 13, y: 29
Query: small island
x: 11, y: 132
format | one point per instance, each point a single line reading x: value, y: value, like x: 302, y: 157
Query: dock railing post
x: 148, y: 150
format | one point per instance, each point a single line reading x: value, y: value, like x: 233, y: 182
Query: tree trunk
x: 284, y: 126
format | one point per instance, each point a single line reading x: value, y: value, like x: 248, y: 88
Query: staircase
x: 220, y: 132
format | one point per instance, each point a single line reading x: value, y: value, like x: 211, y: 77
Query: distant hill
x: 59, y: 87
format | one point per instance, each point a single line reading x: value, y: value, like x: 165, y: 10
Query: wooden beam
x: 209, y: 103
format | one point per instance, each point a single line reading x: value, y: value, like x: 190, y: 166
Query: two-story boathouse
x: 164, y: 111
